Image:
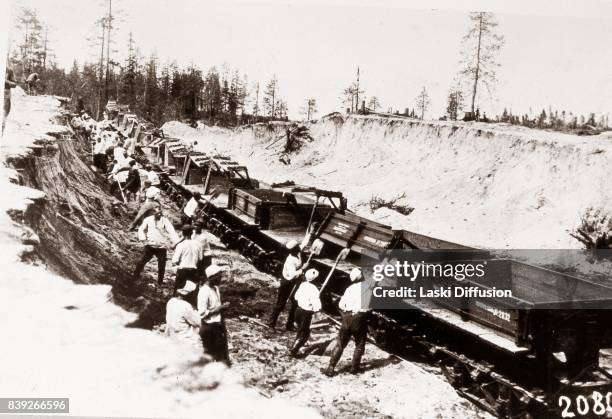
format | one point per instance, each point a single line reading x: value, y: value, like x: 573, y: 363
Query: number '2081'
x: 598, y: 406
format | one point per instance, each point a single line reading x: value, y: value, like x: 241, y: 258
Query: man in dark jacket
x: 132, y: 185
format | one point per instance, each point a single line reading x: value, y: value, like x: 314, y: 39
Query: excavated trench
x: 82, y: 232
x: 81, y: 227
x: 82, y: 235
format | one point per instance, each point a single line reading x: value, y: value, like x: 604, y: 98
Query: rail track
x: 508, y: 375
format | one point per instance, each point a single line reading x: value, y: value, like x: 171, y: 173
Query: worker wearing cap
x: 158, y: 234
x: 354, y: 323
x: 292, y: 269
x: 308, y: 303
x: 187, y: 257
x: 148, y: 207
x: 182, y: 320
x: 212, y: 330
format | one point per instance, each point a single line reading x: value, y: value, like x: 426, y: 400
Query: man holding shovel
x: 354, y: 324
x: 308, y: 303
x: 292, y: 269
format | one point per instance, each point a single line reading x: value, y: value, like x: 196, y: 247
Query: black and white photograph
x: 306, y: 208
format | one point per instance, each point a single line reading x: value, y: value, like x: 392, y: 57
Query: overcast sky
x: 557, y: 53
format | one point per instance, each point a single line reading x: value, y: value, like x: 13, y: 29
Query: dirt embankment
x: 79, y: 233
x: 485, y: 185
x: 67, y: 339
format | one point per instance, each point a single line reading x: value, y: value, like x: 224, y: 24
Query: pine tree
x: 422, y: 102
x: 374, y: 103
x: 454, y: 103
x: 271, y: 97
x: 481, y: 45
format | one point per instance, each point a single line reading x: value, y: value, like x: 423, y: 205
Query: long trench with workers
x: 194, y: 312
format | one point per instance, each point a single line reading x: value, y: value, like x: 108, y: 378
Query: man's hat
x: 187, y: 289
x: 311, y: 275
x: 356, y: 275
x: 213, y: 270
x: 151, y: 193
x: 291, y: 244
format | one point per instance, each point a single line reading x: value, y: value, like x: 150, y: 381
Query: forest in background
x: 224, y: 96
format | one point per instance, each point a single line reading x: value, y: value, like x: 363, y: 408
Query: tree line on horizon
x: 223, y: 96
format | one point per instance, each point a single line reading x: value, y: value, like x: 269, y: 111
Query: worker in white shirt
x: 158, y: 234
x: 187, y: 256
x: 130, y: 145
x: 308, y: 303
x: 119, y: 154
x: 152, y: 196
x: 212, y: 330
x: 182, y: 320
x: 152, y: 175
x: 192, y: 207
x: 151, y: 191
x: 99, y: 154
x: 118, y: 176
x: 203, y: 238
x: 292, y: 269
x: 354, y: 323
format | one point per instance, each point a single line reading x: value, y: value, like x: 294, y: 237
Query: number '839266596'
x: 593, y: 405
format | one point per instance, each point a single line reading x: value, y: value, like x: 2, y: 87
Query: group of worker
x: 195, y: 311
x: 304, y: 298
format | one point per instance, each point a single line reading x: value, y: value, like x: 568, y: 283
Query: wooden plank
x: 195, y: 188
x: 455, y: 320
x: 283, y: 236
x: 207, y: 181
x: 242, y: 217
x: 345, y: 266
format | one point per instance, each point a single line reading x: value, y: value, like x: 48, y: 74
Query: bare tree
x: 422, y: 102
x: 350, y: 95
x: 481, y: 45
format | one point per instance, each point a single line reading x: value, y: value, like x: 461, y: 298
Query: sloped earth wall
x: 81, y: 230
x: 78, y: 232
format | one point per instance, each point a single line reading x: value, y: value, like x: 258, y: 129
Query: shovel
x: 315, y: 249
x: 341, y: 256
x: 120, y: 188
